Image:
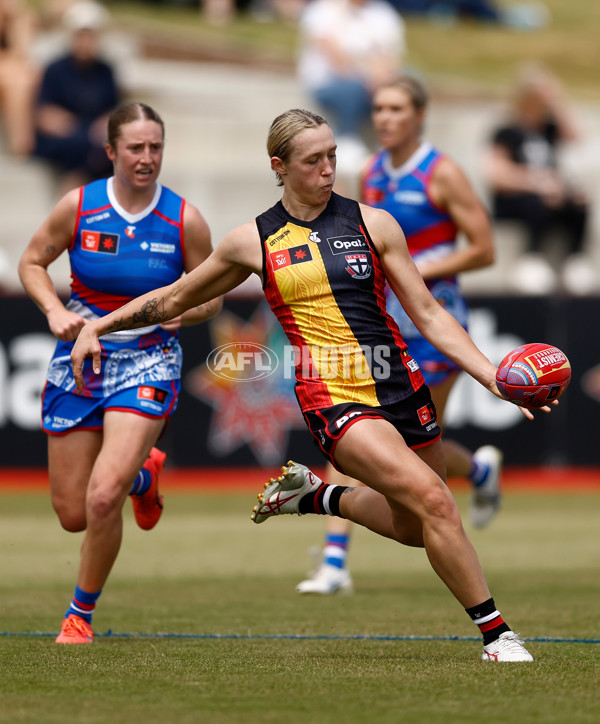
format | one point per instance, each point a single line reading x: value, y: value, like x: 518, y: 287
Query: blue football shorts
x: 64, y: 412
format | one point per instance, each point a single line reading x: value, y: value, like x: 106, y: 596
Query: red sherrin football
x: 533, y: 375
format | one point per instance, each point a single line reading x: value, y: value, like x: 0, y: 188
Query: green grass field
x: 240, y: 646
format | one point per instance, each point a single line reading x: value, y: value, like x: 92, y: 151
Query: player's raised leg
x: 331, y: 574
x: 406, y: 500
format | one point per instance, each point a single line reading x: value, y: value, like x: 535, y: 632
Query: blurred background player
x: 347, y: 49
x: 528, y: 187
x: 124, y: 235
x: 76, y: 95
x: 432, y: 200
x: 18, y: 75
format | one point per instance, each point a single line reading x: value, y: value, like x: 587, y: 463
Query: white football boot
x: 326, y: 581
x: 508, y: 647
x: 485, y: 500
x: 283, y: 495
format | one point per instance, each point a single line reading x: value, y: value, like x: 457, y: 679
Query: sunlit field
x: 200, y: 621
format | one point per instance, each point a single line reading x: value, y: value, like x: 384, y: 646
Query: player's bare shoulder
x: 375, y: 216
x: 241, y: 246
x: 383, y: 228
x: 194, y: 222
x: 59, y: 226
x: 447, y: 179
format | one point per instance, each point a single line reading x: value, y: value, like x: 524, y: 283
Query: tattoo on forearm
x: 118, y: 325
x: 152, y: 312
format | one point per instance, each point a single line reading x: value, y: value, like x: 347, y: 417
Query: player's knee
x: 439, y: 504
x: 100, y: 507
x: 102, y: 504
x: 73, y: 521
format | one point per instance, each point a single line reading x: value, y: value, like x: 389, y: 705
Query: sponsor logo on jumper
x: 97, y: 217
x: 99, y: 241
x: 287, y: 257
x: 344, y: 244
x: 413, y: 365
x: 314, y: 236
x: 279, y: 237
x: 412, y: 198
x: 130, y: 232
x: 161, y: 247
x: 154, y: 394
x: 358, y: 266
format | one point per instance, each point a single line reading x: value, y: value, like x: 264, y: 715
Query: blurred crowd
x: 56, y: 110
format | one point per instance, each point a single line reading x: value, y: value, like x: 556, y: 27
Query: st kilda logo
x: 358, y: 266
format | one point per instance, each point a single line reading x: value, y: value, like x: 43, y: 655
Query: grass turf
x: 207, y: 569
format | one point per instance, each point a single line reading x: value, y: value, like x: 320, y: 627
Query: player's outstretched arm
x: 197, y: 250
x: 227, y: 267
x: 431, y: 319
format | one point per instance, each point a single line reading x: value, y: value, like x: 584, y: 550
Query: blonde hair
x: 285, y: 128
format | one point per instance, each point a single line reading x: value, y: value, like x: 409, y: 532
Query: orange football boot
x: 75, y: 630
x: 148, y: 507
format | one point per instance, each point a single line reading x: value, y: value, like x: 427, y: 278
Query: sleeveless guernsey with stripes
x: 430, y: 231
x: 116, y: 256
x: 325, y: 283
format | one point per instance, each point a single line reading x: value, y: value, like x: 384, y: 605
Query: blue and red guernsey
x: 325, y: 283
x: 404, y: 193
x: 116, y: 256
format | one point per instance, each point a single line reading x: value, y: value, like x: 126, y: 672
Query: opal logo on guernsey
x: 242, y: 362
x: 345, y: 244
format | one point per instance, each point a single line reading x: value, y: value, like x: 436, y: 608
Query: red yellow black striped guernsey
x: 325, y: 284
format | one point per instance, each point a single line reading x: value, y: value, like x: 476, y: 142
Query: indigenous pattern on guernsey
x: 116, y: 256
x: 325, y: 284
x: 429, y: 230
